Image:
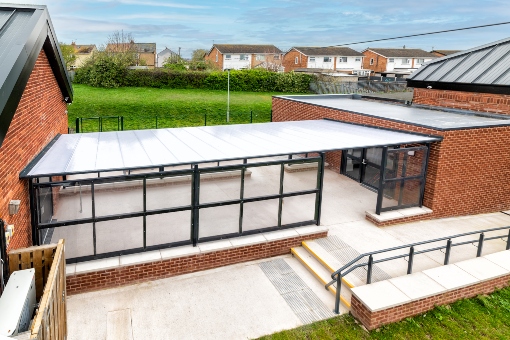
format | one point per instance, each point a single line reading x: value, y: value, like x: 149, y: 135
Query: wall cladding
x: 40, y: 116
x: 467, y: 173
x: 482, y: 102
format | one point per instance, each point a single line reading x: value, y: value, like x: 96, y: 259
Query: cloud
x: 155, y: 4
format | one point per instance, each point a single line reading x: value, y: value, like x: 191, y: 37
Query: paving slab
x: 451, y: 277
x: 417, y: 286
x: 380, y: 295
x: 118, y: 325
x: 482, y: 268
x: 502, y: 259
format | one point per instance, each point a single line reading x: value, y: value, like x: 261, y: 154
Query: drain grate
x: 300, y: 298
x: 344, y: 253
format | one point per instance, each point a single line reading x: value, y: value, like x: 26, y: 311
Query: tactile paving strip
x: 344, y: 253
x: 300, y: 298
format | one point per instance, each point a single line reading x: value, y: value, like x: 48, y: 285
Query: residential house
x: 166, y: 55
x: 82, y: 53
x: 442, y: 53
x: 319, y: 59
x: 145, y: 52
x: 398, y: 62
x: 35, y: 90
x: 239, y: 57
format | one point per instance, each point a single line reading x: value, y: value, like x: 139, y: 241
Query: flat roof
x: 136, y: 149
x: 448, y: 119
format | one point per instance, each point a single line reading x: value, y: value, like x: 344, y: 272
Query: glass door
x: 363, y: 165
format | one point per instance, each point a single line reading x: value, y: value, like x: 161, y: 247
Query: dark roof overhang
x: 463, y: 87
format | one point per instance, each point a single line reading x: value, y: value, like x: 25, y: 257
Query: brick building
x: 468, y: 170
x: 398, y: 62
x: 241, y: 57
x: 34, y: 92
x: 319, y: 59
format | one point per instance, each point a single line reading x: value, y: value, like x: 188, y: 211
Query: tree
x: 198, y: 55
x: 68, y: 53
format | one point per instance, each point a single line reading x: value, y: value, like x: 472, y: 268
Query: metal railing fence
x: 355, y: 263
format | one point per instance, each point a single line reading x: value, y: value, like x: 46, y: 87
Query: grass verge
x: 172, y: 107
x: 483, y: 317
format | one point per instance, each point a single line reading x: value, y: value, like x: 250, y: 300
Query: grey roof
x: 105, y: 151
x: 434, y: 119
x: 402, y: 52
x: 329, y: 51
x: 484, y: 65
x: 24, y: 31
x: 146, y: 47
x: 166, y: 51
x: 239, y: 48
x: 445, y: 52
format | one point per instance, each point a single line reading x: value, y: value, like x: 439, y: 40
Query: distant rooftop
x: 434, y: 119
x: 402, y: 52
x: 445, y: 52
x: 329, y: 51
x: 239, y: 48
x: 481, y: 69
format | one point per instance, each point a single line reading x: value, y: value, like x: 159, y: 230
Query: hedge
x: 256, y: 80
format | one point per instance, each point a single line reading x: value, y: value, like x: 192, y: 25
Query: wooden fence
x: 50, y: 321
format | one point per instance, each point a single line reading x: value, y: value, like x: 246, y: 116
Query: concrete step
x: 322, y: 274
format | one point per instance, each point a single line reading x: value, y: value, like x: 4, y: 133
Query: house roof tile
x: 402, y: 52
x: 329, y: 51
x: 237, y: 48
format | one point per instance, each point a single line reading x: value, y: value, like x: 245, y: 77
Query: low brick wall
x: 407, y: 219
x: 137, y: 273
x: 373, y: 320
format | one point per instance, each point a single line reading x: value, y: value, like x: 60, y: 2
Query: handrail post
x: 77, y: 125
x: 410, y: 263
x: 156, y: 121
x: 122, y: 123
x: 508, y: 241
x: 337, y: 296
x: 251, y: 116
x: 480, y: 245
x: 205, y: 119
x: 447, y: 253
x: 369, y: 270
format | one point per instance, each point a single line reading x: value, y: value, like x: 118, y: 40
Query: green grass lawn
x: 173, y: 107
x: 483, y: 317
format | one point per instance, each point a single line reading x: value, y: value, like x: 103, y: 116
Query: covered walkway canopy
x: 138, y: 149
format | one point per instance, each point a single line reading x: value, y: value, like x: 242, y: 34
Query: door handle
x: 364, y: 162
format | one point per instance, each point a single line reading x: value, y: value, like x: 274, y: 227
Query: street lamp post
x: 228, y: 95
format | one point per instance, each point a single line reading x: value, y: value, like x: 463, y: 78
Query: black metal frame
x: 194, y: 206
x: 364, y: 163
x: 354, y: 264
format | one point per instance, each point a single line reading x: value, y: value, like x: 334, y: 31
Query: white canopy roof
x: 123, y: 150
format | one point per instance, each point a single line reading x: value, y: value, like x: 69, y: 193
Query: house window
x: 391, y: 60
x: 342, y: 59
x: 371, y: 61
x: 406, y: 61
x: 312, y: 59
x: 261, y: 57
x: 243, y: 57
x: 276, y: 57
x: 327, y: 59
x: 420, y: 61
x: 357, y: 59
x: 228, y: 56
x: 216, y: 58
x: 296, y: 60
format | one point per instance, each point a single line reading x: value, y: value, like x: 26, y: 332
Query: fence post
x: 480, y: 245
x: 251, y: 116
x: 77, y: 125
x: 121, y: 123
x: 337, y: 297
x: 156, y: 121
x: 369, y: 270
x: 410, y: 263
x: 205, y: 119
x: 271, y: 115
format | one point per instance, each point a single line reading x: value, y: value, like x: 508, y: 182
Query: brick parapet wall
x: 473, y: 101
x: 40, y: 116
x: 372, y: 320
x: 137, y: 273
x: 461, y: 175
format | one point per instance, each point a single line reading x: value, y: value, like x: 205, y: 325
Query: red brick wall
x: 126, y: 275
x: 289, y: 60
x: 373, y: 320
x: 467, y: 172
x: 212, y: 58
x: 379, y: 61
x: 40, y: 116
x: 482, y: 102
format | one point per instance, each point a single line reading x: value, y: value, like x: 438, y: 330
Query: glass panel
x: 219, y: 220
x: 411, y: 194
x: 390, y: 194
x: 168, y: 192
x: 72, y: 203
x: 405, y: 163
x: 372, y: 176
x: 415, y: 160
x: 220, y: 186
x: 374, y: 155
x: 79, y: 239
x: 45, y: 204
x: 298, y: 209
x: 355, y: 152
x: 118, y: 198
x: 305, y: 178
x: 115, y: 235
x: 263, y: 181
x: 395, y: 195
x: 168, y: 228
x: 352, y: 168
x: 392, y: 164
x: 260, y: 214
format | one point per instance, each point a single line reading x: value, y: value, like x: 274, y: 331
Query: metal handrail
x: 352, y: 265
